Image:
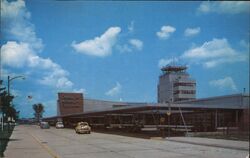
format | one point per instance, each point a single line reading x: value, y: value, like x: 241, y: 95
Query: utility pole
x: 8, y: 94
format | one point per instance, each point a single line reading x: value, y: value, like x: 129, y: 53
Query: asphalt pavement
x: 32, y: 142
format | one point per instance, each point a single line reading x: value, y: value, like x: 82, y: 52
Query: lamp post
x: 10, y: 79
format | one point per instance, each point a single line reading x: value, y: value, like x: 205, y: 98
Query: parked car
x: 83, y: 127
x: 44, y: 125
x: 59, y: 125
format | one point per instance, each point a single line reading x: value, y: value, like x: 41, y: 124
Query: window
x: 184, y: 84
x: 184, y: 92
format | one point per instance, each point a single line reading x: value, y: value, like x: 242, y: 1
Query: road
x: 33, y: 142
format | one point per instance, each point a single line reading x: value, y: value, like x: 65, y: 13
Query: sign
x: 168, y: 113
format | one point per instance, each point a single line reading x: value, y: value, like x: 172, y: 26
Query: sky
x: 113, y: 50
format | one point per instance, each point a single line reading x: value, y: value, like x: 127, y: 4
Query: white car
x: 44, y: 125
x: 59, y: 125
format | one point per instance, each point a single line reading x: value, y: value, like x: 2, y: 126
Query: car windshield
x: 83, y: 123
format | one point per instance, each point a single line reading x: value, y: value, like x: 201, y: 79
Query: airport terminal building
x: 177, y: 109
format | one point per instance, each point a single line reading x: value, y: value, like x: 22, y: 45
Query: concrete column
x: 237, y: 117
x: 216, y: 119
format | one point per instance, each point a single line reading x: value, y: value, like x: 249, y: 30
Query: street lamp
x: 10, y: 79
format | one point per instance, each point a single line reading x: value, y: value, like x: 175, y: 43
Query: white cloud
x: 132, y: 45
x: 13, y: 9
x: 14, y: 54
x: 55, y: 76
x: 192, y: 31
x: 165, y: 32
x: 21, y: 55
x: 138, y: 44
x: 244, y: 44
x: 81, y: 90
x: 124, y: 48
x: 229, y: 7
x: 36, y: 61
x: 115, y: 90
x: 15, y: 19
x: 57, y: 81
x: 5, y: 73
x: 22, y: 50
x: 99, y: 46
x: 213, y: 53
x: 164, y: 62
x: 226, y: 82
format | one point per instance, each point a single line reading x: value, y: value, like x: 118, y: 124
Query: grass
x: 4, y: 138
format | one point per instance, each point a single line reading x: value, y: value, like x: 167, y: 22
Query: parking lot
x: 29, y: 141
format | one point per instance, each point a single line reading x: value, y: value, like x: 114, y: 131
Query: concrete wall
x: 166, y: 87
x: 240, y: 100
x: 99, y: 105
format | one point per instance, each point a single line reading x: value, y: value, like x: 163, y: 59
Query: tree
x: 6, y: 105
x: 39, y: 109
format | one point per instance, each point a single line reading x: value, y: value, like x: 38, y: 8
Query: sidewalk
x: 229, y: 144
x: 24, y: 145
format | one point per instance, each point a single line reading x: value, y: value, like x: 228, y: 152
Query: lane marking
x: 45, y: 147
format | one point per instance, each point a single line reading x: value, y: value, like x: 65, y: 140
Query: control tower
x: 175, y: 84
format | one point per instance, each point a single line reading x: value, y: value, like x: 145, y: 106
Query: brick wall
x: 70, y: 103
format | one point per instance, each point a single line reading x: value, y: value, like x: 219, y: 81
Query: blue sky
x: 114, y: 50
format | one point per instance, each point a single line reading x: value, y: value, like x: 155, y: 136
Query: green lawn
x: 4, y: 138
